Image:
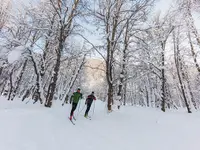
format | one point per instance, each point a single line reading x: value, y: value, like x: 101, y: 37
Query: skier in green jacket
x: 74, y: 100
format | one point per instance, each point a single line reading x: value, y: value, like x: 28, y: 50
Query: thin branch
x: 92, y: 46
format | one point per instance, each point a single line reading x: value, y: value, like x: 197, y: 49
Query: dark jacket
x: 90, y: 99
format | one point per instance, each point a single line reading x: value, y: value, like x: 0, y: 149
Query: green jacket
x: 76, y: 97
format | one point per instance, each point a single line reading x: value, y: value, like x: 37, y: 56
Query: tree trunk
x: 53, y: 83
x: 1, y: 69
x: 26, y: 95
x: 189, y: 87
x: 19, y: 80
x: 191, y: 94
x: 110, y: 97
x: 125, y: 93
x: 183, y: 91
x: 3, y: 84
x: 194, y: 55
x: 109, y: 77
x: 182, y: 84
x: 147, y: 96
x: 163, y: 103
x: 37, y: 93
x: 179, y: 68
x: 11, y: 83
x: 124, y: 60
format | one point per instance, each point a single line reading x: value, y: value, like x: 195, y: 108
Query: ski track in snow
x: 32, y: 127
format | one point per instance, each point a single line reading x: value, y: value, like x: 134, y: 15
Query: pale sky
x: 161, y: 6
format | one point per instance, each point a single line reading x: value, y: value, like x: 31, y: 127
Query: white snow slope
x: 33, y: 127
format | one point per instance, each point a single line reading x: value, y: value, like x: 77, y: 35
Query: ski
x: 89, y: 118
x: 74, y: 118
x: 71, y: 121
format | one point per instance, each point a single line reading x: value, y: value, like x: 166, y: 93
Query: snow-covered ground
x: 32, y: 127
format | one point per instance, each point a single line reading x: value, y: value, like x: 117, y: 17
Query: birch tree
x: 113, y: 17
x: 179, y: 67
x: 66, y: 15
x: 163, y: 29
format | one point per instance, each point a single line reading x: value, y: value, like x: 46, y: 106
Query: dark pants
x: 74, y: 105
x: 88, y: 108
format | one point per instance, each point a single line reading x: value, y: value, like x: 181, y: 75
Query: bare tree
x: 19, y: 78
x: 66, y: 16
x: 179, y: 67
x: 114, y: 17
x: 163, y: 29
x: 186, y: 8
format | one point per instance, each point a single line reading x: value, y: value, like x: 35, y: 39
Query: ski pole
x: 93, y: 109
x: 79, y: 104
x: 81, y: 111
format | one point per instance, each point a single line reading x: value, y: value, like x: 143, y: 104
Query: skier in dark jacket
x: 74, y: 100
x: 88, y: 102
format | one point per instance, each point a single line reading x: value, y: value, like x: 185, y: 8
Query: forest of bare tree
x: 147, y: 59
